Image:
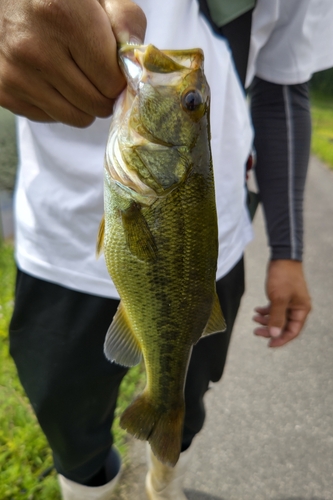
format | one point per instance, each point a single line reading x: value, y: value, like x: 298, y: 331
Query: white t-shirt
x: 59, y: 196
x: 291, y: 40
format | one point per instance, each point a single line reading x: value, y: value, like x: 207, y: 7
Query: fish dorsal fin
x: 138, y: 235
x: 121, y: 344
x: 216, y: 322
x: 100, y: 237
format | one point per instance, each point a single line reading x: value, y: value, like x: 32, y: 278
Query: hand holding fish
x: 58, y: 58
x: 290, y: 303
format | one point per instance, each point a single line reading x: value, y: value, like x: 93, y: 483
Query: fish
x: 159, y: 233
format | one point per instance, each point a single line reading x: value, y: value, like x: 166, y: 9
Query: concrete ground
x: 269, y: 429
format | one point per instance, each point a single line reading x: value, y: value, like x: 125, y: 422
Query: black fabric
x: 56, y: 340
x: 282, y: 123
x: 238, y: 35
x: 110, y: 469
x: 210, y: 353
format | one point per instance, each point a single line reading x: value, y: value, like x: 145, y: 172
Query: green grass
x: 26, y: 470
x: 322, y: 123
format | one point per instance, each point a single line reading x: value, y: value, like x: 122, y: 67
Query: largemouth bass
x: 160, y: 233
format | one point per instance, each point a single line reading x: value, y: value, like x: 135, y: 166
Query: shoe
x: 75, y: 491
x: 164, y: 482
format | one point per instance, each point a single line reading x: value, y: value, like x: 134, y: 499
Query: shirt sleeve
x: 282, y: 123
x: 290, y: 40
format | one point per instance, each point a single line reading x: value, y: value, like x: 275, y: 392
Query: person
x: 59, y: 73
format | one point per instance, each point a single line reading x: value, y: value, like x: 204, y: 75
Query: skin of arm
x: 58, y: 58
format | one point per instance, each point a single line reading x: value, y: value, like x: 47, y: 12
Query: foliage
x: 322, y: 82
x: 322, y: 123
x: 26, y: 469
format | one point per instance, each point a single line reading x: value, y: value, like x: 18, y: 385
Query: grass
x: 26, y: 469
x: 322, y: 123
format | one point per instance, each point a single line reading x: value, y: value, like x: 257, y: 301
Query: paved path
x: 269, y: 430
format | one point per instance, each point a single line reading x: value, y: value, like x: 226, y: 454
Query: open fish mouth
x: 147, y: 64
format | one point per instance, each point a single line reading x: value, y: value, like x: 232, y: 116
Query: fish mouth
x: 140, y: 63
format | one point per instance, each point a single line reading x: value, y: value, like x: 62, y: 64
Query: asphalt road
x: 269, y: 430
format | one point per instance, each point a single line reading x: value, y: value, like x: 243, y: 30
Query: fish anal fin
x: 138, y: 235
x: 162, y: 428
x: 100, y: 237
x: 216, y: 322
x: 121, y: 344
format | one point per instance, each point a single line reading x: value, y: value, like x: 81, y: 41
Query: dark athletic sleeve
x: 282, y: 124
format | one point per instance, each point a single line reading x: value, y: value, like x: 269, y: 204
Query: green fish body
x: 160, y: 234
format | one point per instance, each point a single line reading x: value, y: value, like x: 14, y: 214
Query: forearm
x: 282, y: 123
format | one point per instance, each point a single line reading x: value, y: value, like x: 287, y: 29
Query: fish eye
x: 192, y: 100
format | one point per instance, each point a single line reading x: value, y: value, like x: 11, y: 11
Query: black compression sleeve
x: 282, y: 124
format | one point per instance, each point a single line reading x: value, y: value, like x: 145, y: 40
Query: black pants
x: 56, y: 340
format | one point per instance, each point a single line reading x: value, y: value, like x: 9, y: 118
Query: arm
x: 282, y: 123
x: 58, y: 59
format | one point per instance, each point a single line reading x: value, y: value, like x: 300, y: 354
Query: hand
x: 58, y: 58
x: 290, y: 303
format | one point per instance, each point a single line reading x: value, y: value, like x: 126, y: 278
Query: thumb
x: 277, y: 317
x: 127, y: 19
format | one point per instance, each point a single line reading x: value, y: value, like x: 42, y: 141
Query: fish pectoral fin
x: 138, y: 235
x: 216, y: 322
x: 100, y: 237
x: 121, y: 344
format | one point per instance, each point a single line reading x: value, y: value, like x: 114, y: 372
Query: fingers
x: 127, y: 19
x: 294, y: 321
x: 294, y: 325
x: 20, y: 107
x: 262, y: 315
x: 58, y: 60
x: 278, y: 315
x: 268, y: 316
x: 38, y: 100
x: 284, y: 317
x: 93, y: 48
x: 122, y: 21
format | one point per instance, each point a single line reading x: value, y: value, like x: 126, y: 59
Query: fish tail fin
x: 163, y: 429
